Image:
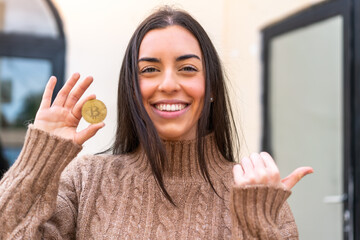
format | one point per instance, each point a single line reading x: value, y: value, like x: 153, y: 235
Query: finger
x: 257, y: 161
x: 76, y: 94
x: 238, y: 173
x: 291, y: 180
x: 272, y: 169
x: 77, y: 109
x: 247, y: 165
x: 49, y: 89
x: 64, y: 92
x: 87, y: 133
x: 269, y: 161
x: 261, y: 172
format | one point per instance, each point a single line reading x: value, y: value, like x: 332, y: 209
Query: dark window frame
x: 52, y: 49
x: 350, y: 11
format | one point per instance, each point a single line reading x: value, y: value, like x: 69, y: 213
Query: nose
x: 169, y: 82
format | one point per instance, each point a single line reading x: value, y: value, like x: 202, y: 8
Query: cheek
x: 196, y: 89
x: 146, y: 89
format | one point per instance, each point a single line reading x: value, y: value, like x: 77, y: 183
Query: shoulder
x: 94, y: 166
x: 219, y: 167
x: 226, y: 173
x: 96, y: 161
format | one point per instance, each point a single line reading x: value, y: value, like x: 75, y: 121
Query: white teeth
x: 170, y: 107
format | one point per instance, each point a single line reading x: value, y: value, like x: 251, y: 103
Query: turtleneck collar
x: 182, y: 163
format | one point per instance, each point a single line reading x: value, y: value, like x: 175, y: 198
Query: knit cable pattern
x: 116, y: 196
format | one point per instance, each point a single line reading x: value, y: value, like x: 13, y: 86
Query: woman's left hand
x: 260, y: 169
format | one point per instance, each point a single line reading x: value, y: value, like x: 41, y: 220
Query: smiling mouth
x: 170, y: 107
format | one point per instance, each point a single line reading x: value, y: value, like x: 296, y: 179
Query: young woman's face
x: 172, y: 81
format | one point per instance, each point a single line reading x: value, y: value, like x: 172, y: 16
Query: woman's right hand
x: 63, y: 116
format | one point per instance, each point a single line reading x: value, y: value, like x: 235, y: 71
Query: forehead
x: 173, y: 39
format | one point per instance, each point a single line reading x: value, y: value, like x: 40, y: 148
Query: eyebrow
x: 187, y: 56
x: 178, y: 59
x: 149, y: 59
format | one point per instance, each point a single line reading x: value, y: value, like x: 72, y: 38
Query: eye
x: 149, y: 70
x: 189, y: 69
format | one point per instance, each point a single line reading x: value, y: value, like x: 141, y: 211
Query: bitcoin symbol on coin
x: 94, y: 111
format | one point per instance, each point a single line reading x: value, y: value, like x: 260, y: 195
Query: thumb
x: 291, y: 180
x: 88, y: 132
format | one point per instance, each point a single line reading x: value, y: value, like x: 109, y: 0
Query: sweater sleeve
x: 261, y: 212
x: 62, y: 224
x: 28, y: 191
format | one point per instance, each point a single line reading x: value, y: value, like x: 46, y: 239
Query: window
x: 32, y: 48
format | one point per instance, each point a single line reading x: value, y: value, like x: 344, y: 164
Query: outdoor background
x: 97, y: 34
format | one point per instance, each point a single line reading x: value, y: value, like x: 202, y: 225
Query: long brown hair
x: 135, y: 127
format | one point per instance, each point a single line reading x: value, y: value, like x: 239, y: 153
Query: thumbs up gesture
x: 261, y: 169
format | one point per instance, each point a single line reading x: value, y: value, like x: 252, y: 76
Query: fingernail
x: 308, y: 172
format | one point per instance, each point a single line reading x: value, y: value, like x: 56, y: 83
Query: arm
x: 62, y: 224
x: 28, y: 191
x: 258, y: 199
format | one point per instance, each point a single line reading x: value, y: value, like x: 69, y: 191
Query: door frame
x: 350, y: 11
x: 356, y: 114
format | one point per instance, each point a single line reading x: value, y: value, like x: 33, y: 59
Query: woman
x: 172, y: 173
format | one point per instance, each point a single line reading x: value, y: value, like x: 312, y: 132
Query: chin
x: 176, y: 136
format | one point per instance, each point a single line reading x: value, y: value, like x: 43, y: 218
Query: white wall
x: 98, y: 31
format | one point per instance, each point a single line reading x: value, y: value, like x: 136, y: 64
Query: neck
x: 182, y: 159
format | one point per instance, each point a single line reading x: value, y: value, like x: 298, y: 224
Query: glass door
x: 307, y: 115
x: 306, y: 120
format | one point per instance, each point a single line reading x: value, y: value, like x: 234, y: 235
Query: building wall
x: 98, y: 32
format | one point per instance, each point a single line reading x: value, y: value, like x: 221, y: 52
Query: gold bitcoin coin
x: 94, y: 111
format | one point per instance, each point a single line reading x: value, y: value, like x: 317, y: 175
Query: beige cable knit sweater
x: 116, y: 197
